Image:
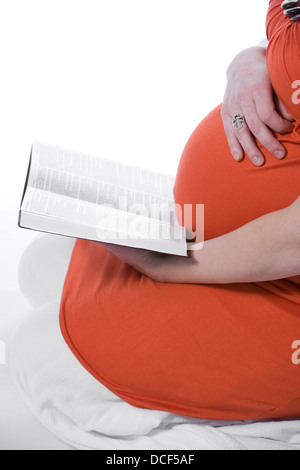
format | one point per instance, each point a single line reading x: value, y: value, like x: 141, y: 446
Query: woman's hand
x: 249, y: 93
x: 159, y: 267
x: 145, y: 261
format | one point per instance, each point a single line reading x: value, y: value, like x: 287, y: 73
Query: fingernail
x: 237, y: 157
x: 258, y: 161
x: 279, y: 153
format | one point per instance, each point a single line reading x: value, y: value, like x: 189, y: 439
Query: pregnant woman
x: 209, y: 336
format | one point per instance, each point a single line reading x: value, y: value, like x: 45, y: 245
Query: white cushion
x: 82, y: 412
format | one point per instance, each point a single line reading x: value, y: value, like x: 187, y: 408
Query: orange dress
x: 208, y: 351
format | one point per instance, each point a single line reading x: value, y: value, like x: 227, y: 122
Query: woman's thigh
x: 212, y: 352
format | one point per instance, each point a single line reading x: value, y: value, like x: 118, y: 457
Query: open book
x: 82, y: 196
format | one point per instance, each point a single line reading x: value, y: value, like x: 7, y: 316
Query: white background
x: 125, y: 79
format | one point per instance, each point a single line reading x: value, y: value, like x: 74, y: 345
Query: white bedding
x: 19, y: 428
x: 84, y: 414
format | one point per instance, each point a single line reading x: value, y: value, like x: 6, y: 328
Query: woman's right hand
x: 249, y: 93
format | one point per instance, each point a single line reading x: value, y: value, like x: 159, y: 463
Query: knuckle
x: 228, y: 129
x: 241, y: 133
x: 224, y: 112
x: 242, y: 97
x: 230, y: 137
x: 228, y: 133
x: 270, y: 143
x: 254, y: 126
x: 266, y: 114
x: 258, y: 87
x: 252, y: 153
x: 272, y: 146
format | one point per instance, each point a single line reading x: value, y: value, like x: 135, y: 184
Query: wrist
x: 176, y: 270
x: 246, y: 58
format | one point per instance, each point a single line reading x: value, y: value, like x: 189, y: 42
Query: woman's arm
x: 265, y: 249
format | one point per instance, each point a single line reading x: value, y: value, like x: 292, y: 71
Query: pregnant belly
x: 233, y: 193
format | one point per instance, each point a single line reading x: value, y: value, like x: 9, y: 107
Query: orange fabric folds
x: 283, y: 57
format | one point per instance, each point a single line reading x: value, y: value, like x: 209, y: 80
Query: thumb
x: 281, y: 109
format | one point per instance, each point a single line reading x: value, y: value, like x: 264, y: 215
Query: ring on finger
x: 238, y: 121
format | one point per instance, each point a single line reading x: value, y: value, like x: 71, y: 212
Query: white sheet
x: 19, y: 428
x: 84, y: 414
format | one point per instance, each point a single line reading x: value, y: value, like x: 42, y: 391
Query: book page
x: 101, y: 181
x: 111, y: 224
x: 119, y: 203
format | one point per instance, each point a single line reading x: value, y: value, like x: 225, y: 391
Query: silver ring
x: 238, y: 121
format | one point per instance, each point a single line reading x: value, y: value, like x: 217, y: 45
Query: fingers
x: 272, y: 112
x: 261, y: 131
x: 285, y: 115
x: 241, y: 141
x: 236, y: 148
x: 258, y: 123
